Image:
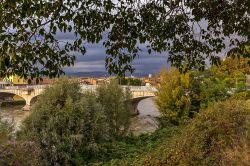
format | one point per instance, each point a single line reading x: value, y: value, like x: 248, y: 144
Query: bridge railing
x: 84, y: 87
x: 132, y: 88
x: 15, y: 87
x: 38, y: 86
x: 26, y: 87
x: 141, y: 88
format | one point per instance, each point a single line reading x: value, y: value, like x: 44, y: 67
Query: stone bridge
x: 28, y: 93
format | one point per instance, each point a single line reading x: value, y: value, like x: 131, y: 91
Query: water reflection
x: 14, y: 114
x: 146, y: 121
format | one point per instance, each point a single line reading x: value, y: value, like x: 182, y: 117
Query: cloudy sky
x: 94, y: 59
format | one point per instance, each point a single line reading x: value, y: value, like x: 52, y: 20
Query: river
x: 14, y: 114
x: 145, y: 122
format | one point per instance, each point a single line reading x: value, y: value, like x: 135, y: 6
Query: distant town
x: 15, y: 80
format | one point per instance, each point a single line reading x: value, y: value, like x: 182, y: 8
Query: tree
x: 130, y: 81
x: 210, y: 86
x: 172, y: 98
x: 68, y: 126
x: 214, y: 88
x: 231, y: 65
x: 236, y: 69
x: 117, y: 108
x: 72, y: 128
x: 189, y: 30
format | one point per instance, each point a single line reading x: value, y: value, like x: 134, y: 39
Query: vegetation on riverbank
x: 73, y: 128
x: 205, y: 121
x: 219, y: 135
x: 13, y: 103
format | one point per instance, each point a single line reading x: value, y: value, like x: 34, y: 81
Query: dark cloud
x: 94, y: 59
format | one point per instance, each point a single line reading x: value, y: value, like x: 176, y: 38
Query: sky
x: 94, y: 59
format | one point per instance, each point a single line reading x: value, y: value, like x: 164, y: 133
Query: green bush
x: 245, y: 95
x: 117, y: 110
x: 19, y: 153
x: 130, y: 81
x: 6, y: 130
x: 70, y: 127
x: 219, y: 135
x: 16, y: 152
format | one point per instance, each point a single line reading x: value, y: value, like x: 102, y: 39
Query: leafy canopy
x: 190, y: 31
x: 71, y: 127
x: 172, y: 98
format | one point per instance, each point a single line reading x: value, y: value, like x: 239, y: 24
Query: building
x: 16, y: 80
x: 88, y: 81
x: 93, y: 81
x: 43, y: 81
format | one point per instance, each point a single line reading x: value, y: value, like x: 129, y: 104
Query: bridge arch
x: 135, y: 101
x: 9, y: 97
x: 30, y: 92
x: 34, y: 100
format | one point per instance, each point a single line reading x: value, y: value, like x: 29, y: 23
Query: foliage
x: 6, y: 130
x: 130, y: 81
x: 172, y: 99
x: 65, y: 124
x: 216, y: 83
x: 236, y: 69
x: 219, y: 83
x: 116, y: 107
x: 190, y: 31
x: 216, y: 136
x: 19, y: 153
x: 201, y: 87
x: 214, y: 88
x: 16, y: 152
x: 131, y: 148
x: 245, y: 95
x: 70, y: 127
x: 231, y: 65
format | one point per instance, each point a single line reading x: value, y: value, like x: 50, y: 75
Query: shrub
x: 214, y: 88
x: 6, y: 130
x: 19, y: 153
x: 71, y: 127
x: 245, y: 95
x: 217, y: 136
x: 16, y: 152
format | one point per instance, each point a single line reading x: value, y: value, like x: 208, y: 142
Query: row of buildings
x: 18, y: 81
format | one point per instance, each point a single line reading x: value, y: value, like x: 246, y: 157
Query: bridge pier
x: 27, y: 107
x: 134, y: 111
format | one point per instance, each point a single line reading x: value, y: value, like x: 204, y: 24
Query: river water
x: 13, y: 114
x: 145, y: 122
